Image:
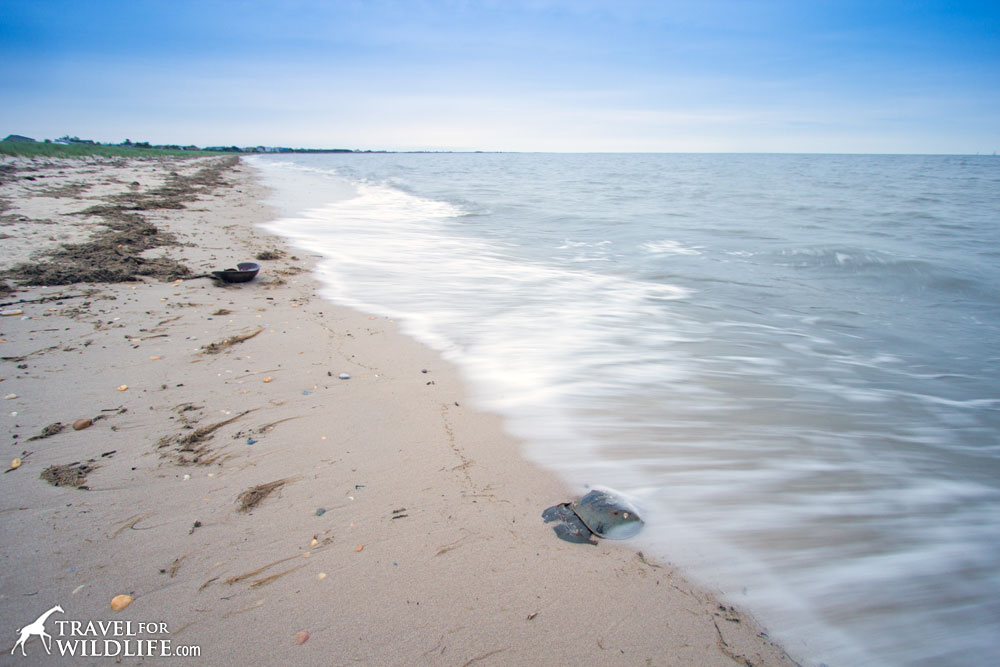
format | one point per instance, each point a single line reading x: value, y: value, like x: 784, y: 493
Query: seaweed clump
x: 69, y: 474
x: 115, y: 255
x: 252, y: 497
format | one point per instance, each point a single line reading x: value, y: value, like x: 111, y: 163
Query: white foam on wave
x: 668, y: 247
x: 528, y: 336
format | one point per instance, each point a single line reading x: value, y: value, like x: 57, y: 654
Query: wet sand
x: 242, y: 493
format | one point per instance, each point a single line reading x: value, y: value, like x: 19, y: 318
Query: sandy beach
x: 254, y: 501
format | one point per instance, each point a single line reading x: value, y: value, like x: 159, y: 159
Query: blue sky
x: 547, y: 75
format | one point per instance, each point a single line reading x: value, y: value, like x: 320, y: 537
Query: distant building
x: 18, y: 137
x: 67, y: 140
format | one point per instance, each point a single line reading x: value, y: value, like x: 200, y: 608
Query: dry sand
x: 386, y: 519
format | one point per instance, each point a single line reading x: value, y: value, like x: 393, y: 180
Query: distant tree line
x: 74, y: 140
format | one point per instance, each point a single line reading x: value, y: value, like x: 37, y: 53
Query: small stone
x: 344, y: 376
x: 15, y: 464
x: 81, y: 424
x: 119, y: 602
x: 320, y: 511
x: 10, y: 396
x: 122, y: 387
x: 301, y: 637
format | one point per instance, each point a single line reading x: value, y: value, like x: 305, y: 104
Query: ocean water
x: 791, y: 362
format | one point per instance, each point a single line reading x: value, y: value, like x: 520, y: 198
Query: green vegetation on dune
x: 40, y: 149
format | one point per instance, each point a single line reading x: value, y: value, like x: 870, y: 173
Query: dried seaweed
x: 115, y: 255
x: 48, y: 431
x: 257, y: 583
x: 253, y: 496
x: 215, y: 348
x: 112, y: 256
x: 192, y: 449
x: 68, y: 474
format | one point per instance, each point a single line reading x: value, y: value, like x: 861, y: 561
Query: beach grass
x: 40, y: 149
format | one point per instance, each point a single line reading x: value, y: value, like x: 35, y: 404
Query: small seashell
x: 81, y: 424
x: 301, y: 637
x: 15, y: 464
x: 312, y: 544
x: 123, y: 387
x: 155, y: 358
x: 359, y: 548
x: 321, y: 576
x: 267, y: 379
x: 119, y: 602
x: 10, y: 396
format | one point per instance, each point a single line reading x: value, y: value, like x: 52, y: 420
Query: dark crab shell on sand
x: 608, y: 515
x: 244, y: 272
x: 601, y: 512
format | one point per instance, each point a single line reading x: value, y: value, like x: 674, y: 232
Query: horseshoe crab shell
x: 600, y: 512
x: 608, y: 515
x: 568, y: 526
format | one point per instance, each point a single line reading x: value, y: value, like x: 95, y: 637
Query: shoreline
x: 245, y: 493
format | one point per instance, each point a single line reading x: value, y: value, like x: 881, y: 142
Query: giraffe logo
x: 37, y: 628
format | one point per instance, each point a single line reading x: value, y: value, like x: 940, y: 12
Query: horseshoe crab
x: 244, y: 272
x: 600, y: 512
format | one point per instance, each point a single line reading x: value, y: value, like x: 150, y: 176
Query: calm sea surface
x: 791, y: 362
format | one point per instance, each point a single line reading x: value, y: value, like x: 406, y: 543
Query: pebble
x: 81, y: 424
x: 320, y: 511
x: 344, y: 376
x: 119, y: 602
x: 10, y: 396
